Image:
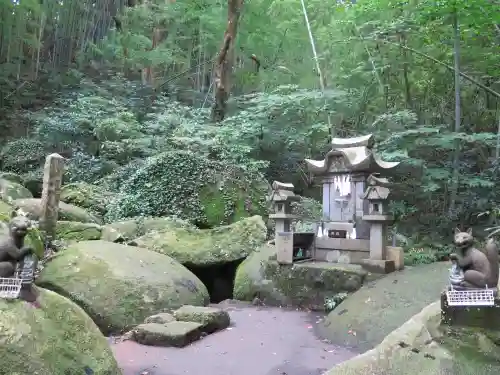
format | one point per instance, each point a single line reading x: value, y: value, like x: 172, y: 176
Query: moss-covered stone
x: 56, y: 338
x: 389, y: 301
x: 212, y: 319
x: 198, y: 247
x: 88, y: 196
x: 119, y: 286
x: 192, y: 187
x: 421, y: 346
x: 127, y: 230
x: 161, y: 318
x: 176, y: 334
x: 301, y: 284
x: 9, y: 191
x: 14, y: 177
x: 69, y: 212
x: 76, y: 231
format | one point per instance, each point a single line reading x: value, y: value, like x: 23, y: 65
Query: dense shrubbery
x: 386, y: 66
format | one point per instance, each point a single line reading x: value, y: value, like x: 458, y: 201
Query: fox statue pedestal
x: 472, y: 296
x: 487, y: 317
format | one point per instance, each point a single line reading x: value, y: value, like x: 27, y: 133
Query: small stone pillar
x: 377, y: 194
x: 281, y: 198
x: 52, y: 181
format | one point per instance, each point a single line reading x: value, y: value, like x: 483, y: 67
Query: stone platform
x: 309, y: 283
x: 487, y: 317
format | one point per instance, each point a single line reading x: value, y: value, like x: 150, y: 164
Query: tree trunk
x: 458, y: 116
x: 224, y: 62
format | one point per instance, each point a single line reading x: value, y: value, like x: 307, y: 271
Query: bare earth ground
x: 261, y: 340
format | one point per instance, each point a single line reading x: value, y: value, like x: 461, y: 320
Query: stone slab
x: 378, y: 266
x: 212, y: 319
x: 176, y: 334
x: 161, y: 318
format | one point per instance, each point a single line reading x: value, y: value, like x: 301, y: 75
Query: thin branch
x: 449, y: 67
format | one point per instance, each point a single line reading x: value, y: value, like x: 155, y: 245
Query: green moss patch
x: 191, y: 187
x: 119, y: 286
x: 198, y: 247
x: 57, y: 338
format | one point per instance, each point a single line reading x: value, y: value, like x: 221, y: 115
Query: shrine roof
x: 357, y: 156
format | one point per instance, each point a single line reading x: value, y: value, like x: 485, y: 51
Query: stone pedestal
x: 487, y: 317
x: 284, y: 247
x: 396, y: 254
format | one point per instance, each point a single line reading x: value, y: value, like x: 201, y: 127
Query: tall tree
x: 225, y: 61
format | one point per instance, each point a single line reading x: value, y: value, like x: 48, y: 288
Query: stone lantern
x: 281, y: 198
x: 377, y: 194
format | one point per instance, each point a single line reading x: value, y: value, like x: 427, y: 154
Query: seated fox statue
x: 480, y: 269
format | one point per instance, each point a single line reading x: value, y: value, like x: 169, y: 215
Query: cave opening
x: 218, y: 278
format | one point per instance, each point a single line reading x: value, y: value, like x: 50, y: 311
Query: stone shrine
x: 355, y: 200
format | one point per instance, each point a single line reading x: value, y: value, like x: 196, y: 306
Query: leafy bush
x: 191, y: 187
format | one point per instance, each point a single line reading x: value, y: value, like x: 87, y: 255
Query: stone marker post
x: 52, y: 179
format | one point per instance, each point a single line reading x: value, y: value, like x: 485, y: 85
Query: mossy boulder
x: 9, y: 191
x: 300, y: 284
x: 9, y: 176
x: 118, y: 285
x: 422, y: 346
x: 176, y: 334
x: 69, y: 212
x: 202, y: 247
x: 212, y: 319
x: 389, y: 301
x: 55, y: 338
x: 191, y: 187
x: 91, y: 197
x: 76, y: 231
x: 126, y: 230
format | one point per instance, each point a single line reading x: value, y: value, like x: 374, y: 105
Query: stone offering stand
x: 355, y: 208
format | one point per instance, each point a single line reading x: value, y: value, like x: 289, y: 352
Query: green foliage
x: 387, y: 71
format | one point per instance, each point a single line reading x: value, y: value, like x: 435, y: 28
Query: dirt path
x: 263, y: 341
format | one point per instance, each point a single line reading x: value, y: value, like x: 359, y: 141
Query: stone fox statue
x: 480, y: 268
x: 12, y: 248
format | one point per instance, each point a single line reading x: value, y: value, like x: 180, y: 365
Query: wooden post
x: 52, y: 179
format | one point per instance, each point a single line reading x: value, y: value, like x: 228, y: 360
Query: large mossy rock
x: 301, y: 284
x: 203, y: 247
x: 55, y: 338
x: 118, y: 285
x: 91, y: 197
x: 191, y: 187
x: 421, y: 346
x: 126, y: 230
x: 76, y: 231
x: 69, y: 212
x: 9, y: 191
x: 389, y: 301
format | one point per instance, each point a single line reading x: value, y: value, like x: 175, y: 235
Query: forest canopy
x: 111, y: 84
